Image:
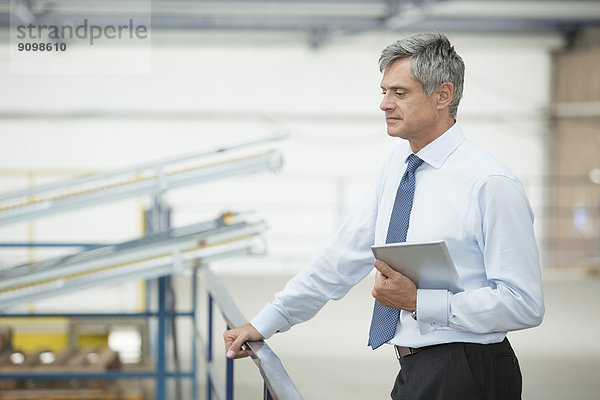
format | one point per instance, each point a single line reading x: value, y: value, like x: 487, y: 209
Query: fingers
x: 380, y: 279
x: 237, y: 349
x: 393, y: 289
x: 235, y: 340
x: 385, y: 269
x: 381, y: 282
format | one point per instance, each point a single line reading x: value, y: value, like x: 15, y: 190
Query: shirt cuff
x: 432, y: 309
x: 269, y: 321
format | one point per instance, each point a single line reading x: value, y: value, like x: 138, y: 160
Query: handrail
x: 278, y: 384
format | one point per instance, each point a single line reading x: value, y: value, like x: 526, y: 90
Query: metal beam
x: 329, y: 16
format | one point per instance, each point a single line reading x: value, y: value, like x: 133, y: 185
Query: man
x: 435, y: 185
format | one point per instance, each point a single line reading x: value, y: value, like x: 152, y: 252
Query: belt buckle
x: 406, y: 351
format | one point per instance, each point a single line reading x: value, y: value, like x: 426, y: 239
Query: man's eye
x: 400, y: 94
x: 383, y: 92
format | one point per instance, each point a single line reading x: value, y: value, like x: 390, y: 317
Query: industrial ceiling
x: 321, y: 18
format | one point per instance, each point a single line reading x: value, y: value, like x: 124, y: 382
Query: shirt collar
x: 436, y: 152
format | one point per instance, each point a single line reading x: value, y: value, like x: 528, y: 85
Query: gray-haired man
x: 435, y: 185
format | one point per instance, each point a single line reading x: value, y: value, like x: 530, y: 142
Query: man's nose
x: 386, y: 104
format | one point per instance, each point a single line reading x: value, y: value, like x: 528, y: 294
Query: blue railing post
x: 209, y: 347
x: 194, y: 315
x: 229, y: 379
x: 161, y: 387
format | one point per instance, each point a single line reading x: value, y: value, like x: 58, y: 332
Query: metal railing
x: 277, y: 383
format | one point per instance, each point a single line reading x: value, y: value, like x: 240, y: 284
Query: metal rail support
x: 158, y: 219
x: 209, y: 348
x: 161, y: 358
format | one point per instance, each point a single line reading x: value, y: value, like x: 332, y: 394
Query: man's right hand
x: 235, y: 339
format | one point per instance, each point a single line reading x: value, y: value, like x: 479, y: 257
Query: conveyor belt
x: 152, y: 256
x: 152, y: 178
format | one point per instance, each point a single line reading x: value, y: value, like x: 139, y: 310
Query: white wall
x: 211, y: 89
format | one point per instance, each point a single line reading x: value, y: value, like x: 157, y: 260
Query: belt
x: 402, y: 351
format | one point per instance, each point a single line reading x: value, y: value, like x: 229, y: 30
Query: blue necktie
x: 385, y: 319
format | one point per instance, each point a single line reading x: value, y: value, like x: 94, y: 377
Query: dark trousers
x: 464, y: 371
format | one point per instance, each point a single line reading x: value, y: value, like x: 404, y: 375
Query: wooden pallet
x: 89, y: 359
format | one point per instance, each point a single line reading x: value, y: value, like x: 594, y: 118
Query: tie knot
x: 413, y: 163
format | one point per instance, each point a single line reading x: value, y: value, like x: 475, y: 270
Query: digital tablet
x: 427, y: 264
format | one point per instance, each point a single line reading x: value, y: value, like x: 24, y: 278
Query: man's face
x: 409, y: 113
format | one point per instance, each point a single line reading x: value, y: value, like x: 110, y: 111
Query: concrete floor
x: 328, y: 358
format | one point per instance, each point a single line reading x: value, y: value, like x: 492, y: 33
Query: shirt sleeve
x: 339, y: 265
x: 432, y: 309
x: 512, y: 296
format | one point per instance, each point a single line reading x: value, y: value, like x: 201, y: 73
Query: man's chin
x: 394, y: 133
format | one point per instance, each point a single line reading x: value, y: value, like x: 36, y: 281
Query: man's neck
x: 440, y: 128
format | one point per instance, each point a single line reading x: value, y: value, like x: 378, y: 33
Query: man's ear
x: 445, y: 93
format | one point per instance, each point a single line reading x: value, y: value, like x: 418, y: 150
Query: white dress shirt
x: 463, y: 196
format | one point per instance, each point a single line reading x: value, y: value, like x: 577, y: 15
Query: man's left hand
x: 392, y: 289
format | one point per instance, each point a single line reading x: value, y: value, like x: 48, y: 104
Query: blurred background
x: 142, y: 143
